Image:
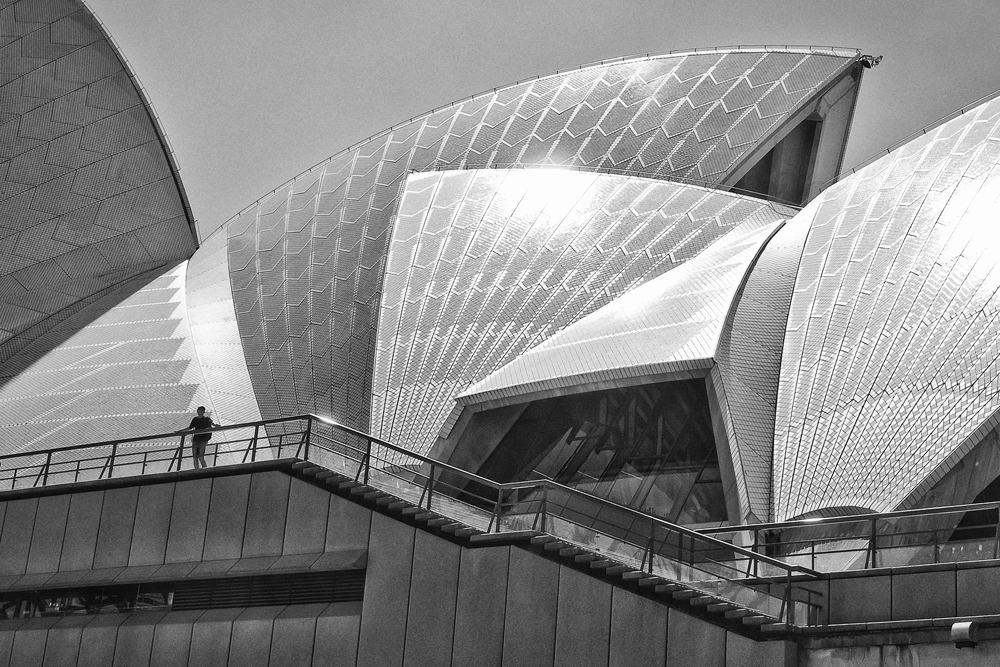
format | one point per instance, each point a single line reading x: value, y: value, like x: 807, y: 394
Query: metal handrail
x: 510, y: 486
x: 851, y: 518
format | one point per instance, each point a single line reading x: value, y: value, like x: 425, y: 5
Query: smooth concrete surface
x: 986, y: 654
x: 861, y: 599
x: 691, y: 641
x: 744, y: 652
x: 428, y: 601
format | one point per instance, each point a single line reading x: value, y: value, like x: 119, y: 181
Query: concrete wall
x: 427, y: 601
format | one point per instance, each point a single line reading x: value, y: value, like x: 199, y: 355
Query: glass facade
x: 650, y: 448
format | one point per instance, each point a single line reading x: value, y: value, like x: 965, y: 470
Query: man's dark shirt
x: 199, y: 423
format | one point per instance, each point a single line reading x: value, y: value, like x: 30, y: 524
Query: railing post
x: 368, y: 464
x: 873, y: 550
x: 48, y: 463
x: 114, y: 454
x: 996, y: 536
x: 496, y: 513
x: 791, y: 600
x: 430, y: 487
x: 308, y: 436
x: 253, y: 443
x: 545, y: 504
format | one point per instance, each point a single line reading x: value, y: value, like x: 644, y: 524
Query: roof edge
x: 835, y: 51
x: 154, y: 119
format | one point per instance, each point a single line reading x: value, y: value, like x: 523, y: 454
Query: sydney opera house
x: 614, y: 366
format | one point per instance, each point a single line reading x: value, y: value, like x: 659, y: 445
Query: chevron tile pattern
x: 308, y: 260
x: 485, y: 264
x: 87, y: 193
x: 212, y: 318
x: 748, y: 364
x: 124, y: 365
x: 892, y: 350
x: 669, y: 325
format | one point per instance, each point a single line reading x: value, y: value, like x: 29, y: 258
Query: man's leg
x: 197, y: 448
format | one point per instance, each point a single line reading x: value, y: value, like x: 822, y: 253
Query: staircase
x: 696, y: 601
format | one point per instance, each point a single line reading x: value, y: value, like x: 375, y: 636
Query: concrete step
x: 740, y: 613
x: 555, y: 545
x: 722, y: 607
x: 635, y: 575
x: 374, y: 494
x: 619, y: 569
x: 452, y: 527
x: 586, y: 558
x: 652, y: 581
x: 349, y: 484
x: 299, y: 465
x: 704, y: 600
x: 757, y: 620
x: 686, y: 595
x: 602, y: 564
x: 410, y: 511
x: 571, y: 552
x: 542, y: 539
x: 438, y: 521
x: 666, y: 589
x: 467, y: 532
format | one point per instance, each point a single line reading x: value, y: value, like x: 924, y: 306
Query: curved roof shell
x: 890, y: 362
x: 307, y: 262
x: 485, y: 264
x: 666, y: 328
x: 89, y: 196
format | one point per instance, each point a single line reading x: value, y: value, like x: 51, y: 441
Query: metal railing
x: 949, y: 534
x: 702, y: 562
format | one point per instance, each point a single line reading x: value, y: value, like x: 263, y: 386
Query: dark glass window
x: 650, y: 448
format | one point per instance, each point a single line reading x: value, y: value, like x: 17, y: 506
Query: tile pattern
x: 485, y: 264
x: 668, y: 325
x: 892, y: 350
x: 87, y: 192
x: 124, y: 365
x: 748, y: 364
x: 308, y: 260
x: 216, y: 336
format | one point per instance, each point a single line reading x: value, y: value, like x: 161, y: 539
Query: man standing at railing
x: 199, y: 441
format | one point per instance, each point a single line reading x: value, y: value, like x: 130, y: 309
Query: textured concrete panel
x: 62, y: 646
x: 97, y: 648
x: 29, y: 647
x: 484, y: 265
x: 383, y: 618
x: 744, y: 652
x: 266, y: 512
x: 668, y: 325
x: 211, y: 637
x: 15, y: 540
x: 692, y: 641
x: 532, y: 604
x: 923, y: 595
x: 305, y: 525
x: 307, y: 261
x: 348, y: 526
x: 227, y: 516
x: 430, y: 620
x: 152, y: 521
x: 860, y: 599
x: 480, y: 608
x: 172, y: 639
x: 293, y: 635
x: 638, y: 631
x: 890, y: 372
x: 188, y: 518
x: 114, y: 538
x: 82, y: 524
x: 47, y: 536
x: 134, y: 643
x: 252, y: 636
x: 583, y: 623
x: 337, y: 630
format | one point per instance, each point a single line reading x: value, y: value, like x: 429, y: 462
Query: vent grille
x: 266, y: 590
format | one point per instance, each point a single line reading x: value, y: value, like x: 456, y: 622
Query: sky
x: 251, y: 93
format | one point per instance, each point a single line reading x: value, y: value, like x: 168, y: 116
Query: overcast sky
x: 251, y: 92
